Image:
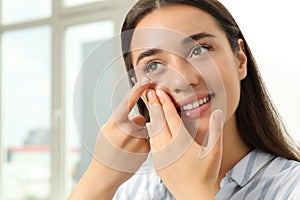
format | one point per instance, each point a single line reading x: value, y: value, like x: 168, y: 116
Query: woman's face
x: 169, y: 58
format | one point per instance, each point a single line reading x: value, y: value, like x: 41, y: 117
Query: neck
x: 234, y: 148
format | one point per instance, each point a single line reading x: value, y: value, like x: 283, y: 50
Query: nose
x: 182, y: 74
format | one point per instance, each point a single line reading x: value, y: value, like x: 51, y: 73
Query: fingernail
x: 133, y: 80
x: 218, y: 117
x: 203, y: 153
x: 147, y: 125
x: 149, y: 95
x: 159, y: 93
x: 144, y: 81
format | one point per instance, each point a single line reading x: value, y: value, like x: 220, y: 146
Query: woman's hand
x: 122, y: 142
x: 121, y: 147
x: 188, y: 170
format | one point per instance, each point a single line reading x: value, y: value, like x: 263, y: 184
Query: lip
x: 195, y: 112
x: 190, y: 99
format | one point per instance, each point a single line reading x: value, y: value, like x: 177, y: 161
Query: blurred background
x: 43, y: 44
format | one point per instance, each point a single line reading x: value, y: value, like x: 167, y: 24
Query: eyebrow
x: 147, y: 53
x: 197, y: 36
x: 187, y: 40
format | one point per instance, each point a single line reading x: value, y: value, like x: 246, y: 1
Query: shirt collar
x: 249, y: 167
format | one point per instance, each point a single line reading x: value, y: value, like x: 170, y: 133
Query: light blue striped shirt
x: 257, y: 176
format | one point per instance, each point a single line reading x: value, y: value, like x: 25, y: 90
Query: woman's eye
x: 199, y: 50
x: 153, y: 66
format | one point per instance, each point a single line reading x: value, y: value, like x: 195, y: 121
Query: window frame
x: 60, y: 19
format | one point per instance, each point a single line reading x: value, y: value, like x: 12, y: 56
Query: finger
x: 139, y: 120
x: 158, y: 140
x: 215, y: 132
x: 152, y: 98
x: 157, y: 118
x: 131, y: 98
x: 170, y: 112
x: 172, y: 150
x: 158, y: 131
x: 121, y: 115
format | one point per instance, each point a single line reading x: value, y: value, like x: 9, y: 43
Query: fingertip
x: 218, y: 115
x: 144, y: 81
x: 133, y: 80
x: 151, y: 97
x: 218, y: 119
x: 141, y: 85
x: 138, y: 120
x: 161, y: 95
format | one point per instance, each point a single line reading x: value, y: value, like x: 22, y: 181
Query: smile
x: 195, y: 104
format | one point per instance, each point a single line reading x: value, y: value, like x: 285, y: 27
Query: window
x: 274, y: 53
x: 79, y: 2
x: 13, y: 11
x: 26, y: 112
x: 43, y: 45
x: 80, y: 41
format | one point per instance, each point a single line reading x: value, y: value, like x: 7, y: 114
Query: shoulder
x: 284, y: 178
x: 265, y: 176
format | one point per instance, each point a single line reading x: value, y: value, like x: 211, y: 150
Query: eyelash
x: 202, y: 46
x: 148, y: 69
x: 148, y: 66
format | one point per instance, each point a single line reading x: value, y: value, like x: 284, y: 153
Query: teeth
x: 195, y: 104
x: 189, y: 106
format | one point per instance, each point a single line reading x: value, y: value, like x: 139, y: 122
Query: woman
x: 250, y: 157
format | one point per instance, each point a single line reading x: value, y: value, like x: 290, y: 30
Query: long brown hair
x: 258, y: 122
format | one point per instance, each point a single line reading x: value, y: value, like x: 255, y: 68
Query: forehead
x: 181, y: 18
x: 172, y: 23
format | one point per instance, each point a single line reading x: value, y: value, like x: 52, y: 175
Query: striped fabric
x: 257, y: 176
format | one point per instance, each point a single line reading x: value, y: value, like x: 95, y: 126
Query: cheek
x: 232, y: 87
x: 231, y: 83
x: 138, y: 75
x: 139, y: 72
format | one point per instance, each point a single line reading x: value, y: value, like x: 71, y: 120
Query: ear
x: 241, y: 60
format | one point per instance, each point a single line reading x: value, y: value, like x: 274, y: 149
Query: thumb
x: 215, y: 131
x: 139, y: 120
